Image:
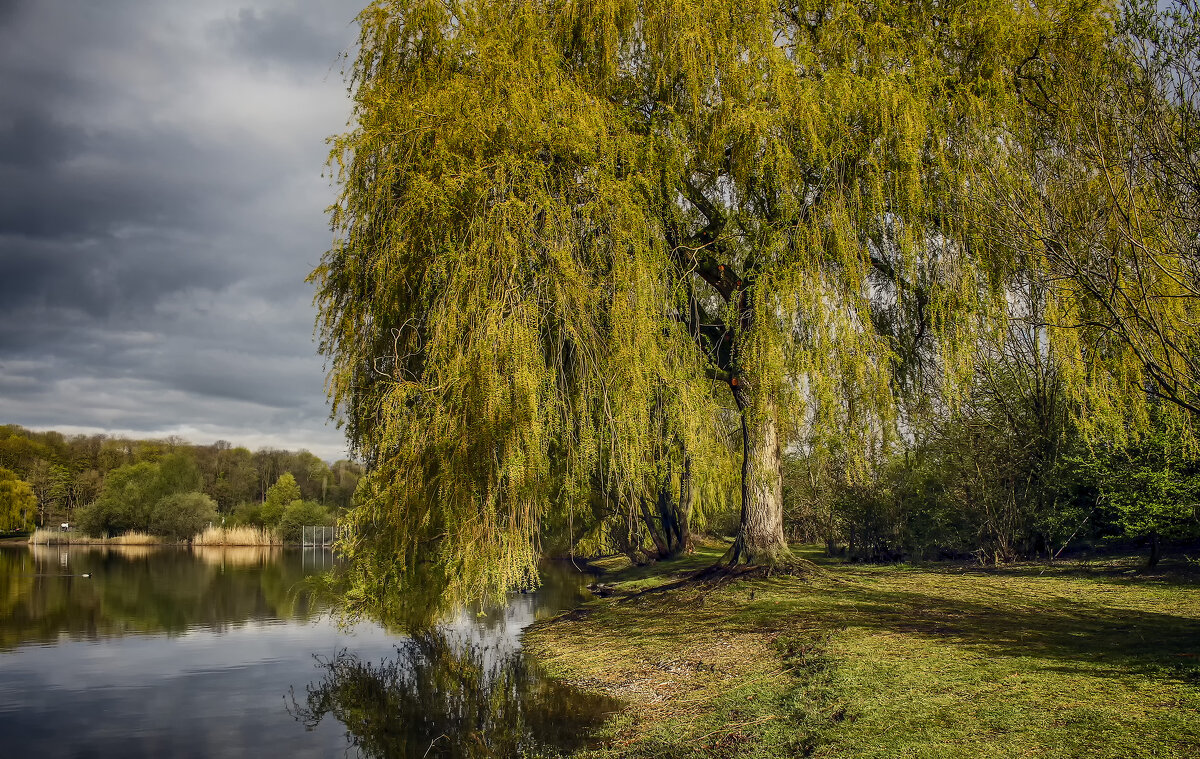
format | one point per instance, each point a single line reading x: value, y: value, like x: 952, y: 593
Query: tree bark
x: 760, y: 537
x: 685, y: 505
x: 668, y: 521
x: 659, y: 534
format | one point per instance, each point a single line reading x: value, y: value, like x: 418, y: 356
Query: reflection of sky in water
x: 496, y: 639
x: 196, y: 694
x: 170, y: 654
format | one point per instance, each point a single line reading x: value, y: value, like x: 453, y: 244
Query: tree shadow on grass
x: 1172, y: 572
x: 1078, y: 635
x: 1084, y: 635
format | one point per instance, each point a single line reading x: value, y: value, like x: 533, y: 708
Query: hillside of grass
x: 1095, y: 659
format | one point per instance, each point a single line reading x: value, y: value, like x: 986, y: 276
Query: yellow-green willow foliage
x: 1098, y: 195
x: 564, y: 222
x: 18, y: 504
x: 494, y: 308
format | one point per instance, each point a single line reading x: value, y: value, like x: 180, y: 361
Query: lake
x: 152, y: 652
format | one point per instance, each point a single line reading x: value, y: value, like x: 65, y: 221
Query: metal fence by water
x: 318, y: 535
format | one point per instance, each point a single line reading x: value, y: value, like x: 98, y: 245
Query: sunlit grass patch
x: 633, y: 578
x: 871, y: 661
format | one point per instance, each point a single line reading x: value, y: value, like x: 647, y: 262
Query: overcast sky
x: 161, y: 203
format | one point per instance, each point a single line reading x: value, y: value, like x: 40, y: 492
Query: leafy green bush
x: 182, y: 515
x: 247, y: 514
x: 1149, y: 490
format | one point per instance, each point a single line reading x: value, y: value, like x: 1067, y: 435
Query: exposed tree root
x: 775, y: 560
x: 723, y: 573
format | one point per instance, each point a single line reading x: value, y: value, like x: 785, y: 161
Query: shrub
x: 182, y: 515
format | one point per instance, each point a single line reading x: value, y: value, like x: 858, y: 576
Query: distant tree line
x: 171, y: 487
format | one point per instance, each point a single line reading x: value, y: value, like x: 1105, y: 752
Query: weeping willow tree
x: 1099, y: 194
x: 575, y: 238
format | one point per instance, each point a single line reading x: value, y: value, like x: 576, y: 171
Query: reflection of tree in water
x: 445, y: 695
x: 92, y: 592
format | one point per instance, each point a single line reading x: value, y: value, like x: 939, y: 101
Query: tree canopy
x: 18, y: 504
x: 584, y: 248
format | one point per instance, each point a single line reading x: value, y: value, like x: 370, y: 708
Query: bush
x: 132, y: 492
x: 248, y: 514
x: 182, y: 515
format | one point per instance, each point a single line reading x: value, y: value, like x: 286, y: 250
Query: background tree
x: 130, y: 494
x: 235, y: 479
x: 279, y: 496
x: 125, y: 502
x: 18, y: 505
x: 1099, y: 192
x: 68, y: 473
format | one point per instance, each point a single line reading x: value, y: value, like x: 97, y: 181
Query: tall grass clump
x: 54, y: 537
x: 133, y: 538
x: 237, y: 536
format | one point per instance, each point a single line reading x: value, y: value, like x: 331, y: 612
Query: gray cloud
x: 8, y: 9
x: 284, y: 36
x: 160, y: 205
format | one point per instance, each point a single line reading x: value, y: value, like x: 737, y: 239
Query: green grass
x: 1075, y: 660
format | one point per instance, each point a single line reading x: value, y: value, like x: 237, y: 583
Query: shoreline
x: 116, y: 543
x: 211, y: 536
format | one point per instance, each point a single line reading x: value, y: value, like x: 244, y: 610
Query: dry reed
x: 53, y: 537
x: 237, y: 536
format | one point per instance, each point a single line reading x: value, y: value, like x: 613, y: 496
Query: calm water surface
x: 221, y: 652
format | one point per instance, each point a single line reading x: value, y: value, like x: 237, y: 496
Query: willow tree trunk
x: 685, y: 505
x: 760, y: 532
x: 668, y: 521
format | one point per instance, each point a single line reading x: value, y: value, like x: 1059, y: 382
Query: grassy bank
x: 1096, y: 660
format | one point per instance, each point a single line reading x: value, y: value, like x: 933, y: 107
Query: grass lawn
x: 1080, y: 659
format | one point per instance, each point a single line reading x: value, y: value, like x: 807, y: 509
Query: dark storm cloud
x: 277, y: 35
x: 31, y: 139
x: 8, y: 9
x: 160, y: 206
